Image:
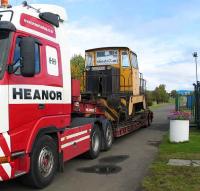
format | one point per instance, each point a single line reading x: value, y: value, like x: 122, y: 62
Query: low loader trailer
x: 48, y: 118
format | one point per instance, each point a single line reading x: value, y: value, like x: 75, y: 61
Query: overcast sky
x: 164, y: 34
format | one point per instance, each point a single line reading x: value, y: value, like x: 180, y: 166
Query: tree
x: 160, y: 94
x: 173, y: 93
x: 77, y: 63
x: 149, y: 98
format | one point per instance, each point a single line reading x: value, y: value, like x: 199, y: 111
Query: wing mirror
x: 27, y: 55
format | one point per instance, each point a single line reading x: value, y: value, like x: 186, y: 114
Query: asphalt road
x: 120, y: 169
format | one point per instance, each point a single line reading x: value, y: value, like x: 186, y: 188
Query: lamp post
x: 195, y: 55
x: 196, y: 88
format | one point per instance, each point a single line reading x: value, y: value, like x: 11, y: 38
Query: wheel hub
x: 45, y: 162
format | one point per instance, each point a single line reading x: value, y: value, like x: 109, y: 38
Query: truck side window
x: 16, y: 58
x: 125, y: 59
x: 52, y: 61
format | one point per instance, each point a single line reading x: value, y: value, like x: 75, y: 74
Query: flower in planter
x: 179, y: 115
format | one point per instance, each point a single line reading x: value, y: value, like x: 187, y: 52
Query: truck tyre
x: 95, y: 144
x: 43, y: 164
x: 149, y: 120
x: 108, y: 137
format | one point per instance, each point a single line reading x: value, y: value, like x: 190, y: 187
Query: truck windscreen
x: 4, y: 50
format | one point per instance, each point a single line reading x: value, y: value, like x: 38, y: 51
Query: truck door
x: 36, y: 102
x: 24, y: 111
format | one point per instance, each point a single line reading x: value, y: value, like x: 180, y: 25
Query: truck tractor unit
x: 46, y: 117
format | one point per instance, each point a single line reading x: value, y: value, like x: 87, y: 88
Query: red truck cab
x: 37, y: 130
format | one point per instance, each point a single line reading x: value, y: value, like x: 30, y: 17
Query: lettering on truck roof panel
x: 37, y: 25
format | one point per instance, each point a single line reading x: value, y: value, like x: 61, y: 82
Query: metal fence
x: 197, y: 103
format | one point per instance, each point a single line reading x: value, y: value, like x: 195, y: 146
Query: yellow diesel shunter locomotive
x: 112, y: 77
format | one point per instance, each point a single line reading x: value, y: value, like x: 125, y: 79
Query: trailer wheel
x: 149, y: 120
x: 95, y: 145
x: 44, y: 163
x: 108, y: 137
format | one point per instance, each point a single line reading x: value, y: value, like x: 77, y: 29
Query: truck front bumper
x: 11, y: 164
x: 5, y: 156
x: 17, y: 166
x: 6, y: 171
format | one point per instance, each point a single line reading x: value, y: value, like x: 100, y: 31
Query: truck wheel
x: 43, y: 164
x: 149, y: 120
x: 108, y: 138
x: 95, y: 144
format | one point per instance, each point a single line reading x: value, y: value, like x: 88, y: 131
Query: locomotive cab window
x: 17, y: 60
x: 107, y: 57
x: 89, y: 60
x: 125, y: 59
x: 134, y: 61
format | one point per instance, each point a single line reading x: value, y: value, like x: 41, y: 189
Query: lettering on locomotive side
x: 29, y: 94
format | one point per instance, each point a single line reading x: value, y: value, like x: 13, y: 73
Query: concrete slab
x: 179, y: 162
x: 196, y: 163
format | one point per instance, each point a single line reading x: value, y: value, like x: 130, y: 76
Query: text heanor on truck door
x: 44, y: 119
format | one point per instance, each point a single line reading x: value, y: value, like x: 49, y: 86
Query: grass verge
x: 172, y: 178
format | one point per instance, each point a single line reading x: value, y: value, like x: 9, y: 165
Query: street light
x: 196, y: 88
x: 195, y: 55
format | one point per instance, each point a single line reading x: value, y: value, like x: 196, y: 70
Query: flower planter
x: 179, y: 131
